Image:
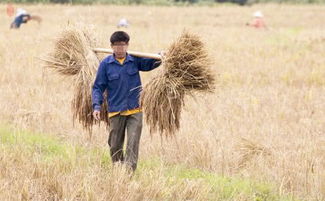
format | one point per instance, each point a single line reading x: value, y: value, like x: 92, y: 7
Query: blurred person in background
x: 23, y: 17
x: 10, y: 10
x: 258, y: 21
x: 123, y: 23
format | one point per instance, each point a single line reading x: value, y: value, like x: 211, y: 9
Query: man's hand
x: 96, y: 115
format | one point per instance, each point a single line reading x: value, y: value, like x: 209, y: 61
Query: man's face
x: 119, y: 49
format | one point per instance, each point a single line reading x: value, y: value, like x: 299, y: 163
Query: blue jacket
x: 19, y: 20
x: 122, y: 82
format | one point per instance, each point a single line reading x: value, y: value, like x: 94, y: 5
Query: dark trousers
x: 132, y: 124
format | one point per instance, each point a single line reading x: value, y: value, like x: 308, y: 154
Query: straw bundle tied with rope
x: 73, y: 57
x: 186, y: 69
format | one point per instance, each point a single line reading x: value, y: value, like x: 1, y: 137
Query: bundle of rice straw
x: 186, y: 69
x: 73, y: 57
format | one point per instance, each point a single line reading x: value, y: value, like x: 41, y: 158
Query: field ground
x: 259, y: 136
x: 49, y: 168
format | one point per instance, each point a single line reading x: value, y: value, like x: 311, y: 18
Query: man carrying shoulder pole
x: 119, y: 75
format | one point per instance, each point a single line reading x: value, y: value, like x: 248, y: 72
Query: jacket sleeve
x: 99, y: 87
x: 145, y: 64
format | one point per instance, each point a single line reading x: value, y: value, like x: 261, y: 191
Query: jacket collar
x: 111, y: 59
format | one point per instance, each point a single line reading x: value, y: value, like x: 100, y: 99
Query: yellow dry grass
x: 266, y: 120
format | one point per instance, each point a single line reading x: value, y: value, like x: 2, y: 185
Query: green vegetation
x: 209, y: 186
x: 223, y: 188
x: 47, y: 147
x: 162, y: 2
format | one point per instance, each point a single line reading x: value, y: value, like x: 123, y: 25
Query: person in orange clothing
x: 10, y: 10
x: 258, y: 21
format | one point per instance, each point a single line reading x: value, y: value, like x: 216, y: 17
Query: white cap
x: 258, y: 14
x: 123, y: 23
x: 20, y: 11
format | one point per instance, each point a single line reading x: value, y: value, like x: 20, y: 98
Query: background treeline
x: 160, y: 2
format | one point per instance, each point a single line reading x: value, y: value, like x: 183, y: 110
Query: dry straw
x: 186, y: 69
x: 248, y: 150
x: 73, y: 57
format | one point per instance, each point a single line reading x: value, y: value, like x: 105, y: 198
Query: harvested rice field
x: 258, y: 133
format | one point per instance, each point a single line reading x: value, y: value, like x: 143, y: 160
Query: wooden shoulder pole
x: 133, y: 53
